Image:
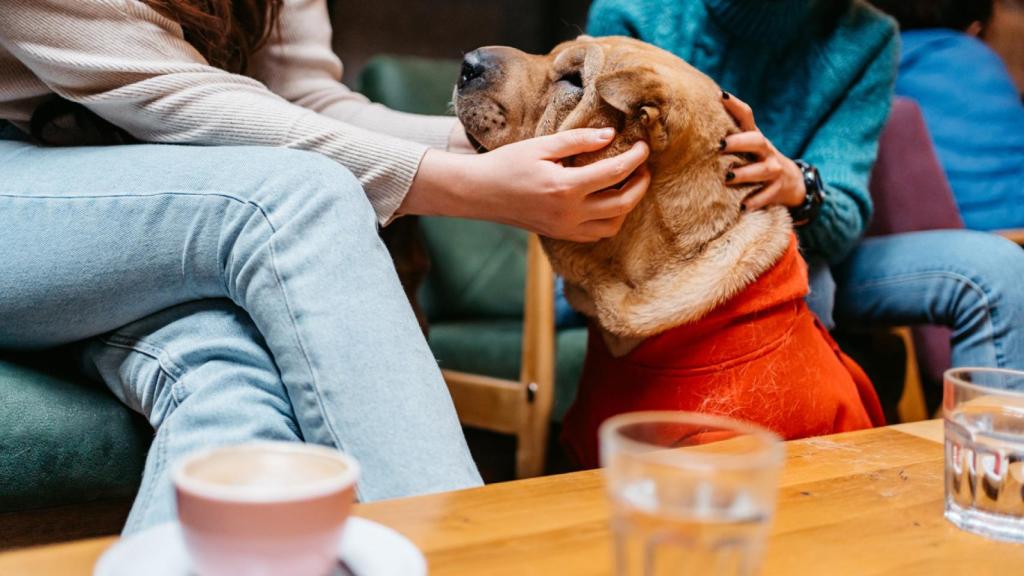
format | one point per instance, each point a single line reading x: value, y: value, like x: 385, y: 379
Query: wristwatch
x: 806, y: 212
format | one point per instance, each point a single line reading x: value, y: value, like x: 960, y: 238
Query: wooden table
x: 861, y: 503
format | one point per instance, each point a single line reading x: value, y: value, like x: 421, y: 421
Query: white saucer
x: 369, y: 549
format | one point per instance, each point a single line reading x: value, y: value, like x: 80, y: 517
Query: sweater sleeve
x: 299, y: 65
x: 131, y: 65
x: 844, y: 149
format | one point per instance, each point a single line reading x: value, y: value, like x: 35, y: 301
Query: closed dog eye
x: 573, y: 79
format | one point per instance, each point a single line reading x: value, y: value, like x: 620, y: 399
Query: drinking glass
x: 690, y: 493
x: 983, y: 409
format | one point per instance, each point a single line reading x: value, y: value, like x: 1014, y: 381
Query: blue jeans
x: 228, y: 294
x: 971, y: 282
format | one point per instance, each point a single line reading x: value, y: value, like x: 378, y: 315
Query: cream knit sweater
x: 131, y: 65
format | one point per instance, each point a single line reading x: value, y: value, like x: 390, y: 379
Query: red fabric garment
x: 762, y: 357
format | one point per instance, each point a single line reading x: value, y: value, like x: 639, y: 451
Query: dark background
x: 449, y: 28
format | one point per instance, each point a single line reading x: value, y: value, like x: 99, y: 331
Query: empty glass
x: 984, y: 421
x: 690, y: 493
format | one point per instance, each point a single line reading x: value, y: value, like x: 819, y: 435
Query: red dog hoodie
x: 762, y: 357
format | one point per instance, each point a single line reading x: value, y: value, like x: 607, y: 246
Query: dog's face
x: 505, y: 95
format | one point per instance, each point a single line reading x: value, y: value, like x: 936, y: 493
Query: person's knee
x: 984, y: 274
x: 991, y: 261
x: 302, y: 183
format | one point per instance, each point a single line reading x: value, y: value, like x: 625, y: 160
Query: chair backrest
x: 908, y: 186
x: 478, y: 269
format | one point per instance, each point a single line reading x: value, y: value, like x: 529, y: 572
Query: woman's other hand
x: 780, y: 178
x: 525, y: 184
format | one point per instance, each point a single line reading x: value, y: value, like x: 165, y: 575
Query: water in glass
x: 984, y: 443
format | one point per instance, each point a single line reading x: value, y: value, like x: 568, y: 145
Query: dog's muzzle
x: 477, y: 71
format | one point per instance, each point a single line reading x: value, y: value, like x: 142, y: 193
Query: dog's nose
x: 473, y: 67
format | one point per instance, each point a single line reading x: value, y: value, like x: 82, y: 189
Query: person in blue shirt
x: 818, y: 77
x: 970, y: 103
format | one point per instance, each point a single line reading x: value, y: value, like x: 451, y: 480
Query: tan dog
x: 700, y: 304
x: 689, y: 230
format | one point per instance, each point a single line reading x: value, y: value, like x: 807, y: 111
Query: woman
x: 238, y: 290
x: 970, y: 103
x: 819, y: 74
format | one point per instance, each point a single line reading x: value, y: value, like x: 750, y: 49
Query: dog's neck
x: 680, y: 254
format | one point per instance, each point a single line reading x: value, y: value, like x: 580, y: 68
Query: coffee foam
x: 266, y: 470
x: 263, y: 470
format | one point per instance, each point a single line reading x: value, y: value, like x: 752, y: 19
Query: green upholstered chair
x: 488, y: 296
x: 71, y: 455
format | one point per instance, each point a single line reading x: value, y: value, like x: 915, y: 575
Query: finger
x: 752, y: 142
x: 609, y: 171
x: 765, y: 197
x: 614, y: 202
x: 739, y: 110
x: 572, y: 142
x: 767, y: 171
x: 599, y: 229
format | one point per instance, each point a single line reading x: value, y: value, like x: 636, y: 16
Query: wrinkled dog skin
x: 687, y: 247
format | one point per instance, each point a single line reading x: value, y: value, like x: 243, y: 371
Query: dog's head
x: 645, y: 93
x: 504, y: 95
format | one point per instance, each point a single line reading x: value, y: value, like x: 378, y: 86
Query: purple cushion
x: 911, y: 193
x: 908, y: 186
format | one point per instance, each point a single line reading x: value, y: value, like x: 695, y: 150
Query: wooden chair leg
x: 1016, y: 235
x: 537, y: 371
x: 912, y: 406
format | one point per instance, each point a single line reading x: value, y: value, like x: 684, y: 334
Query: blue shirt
x: 976, y: 120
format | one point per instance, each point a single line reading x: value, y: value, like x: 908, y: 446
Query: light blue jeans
x: 228, y: 294
x: 971, y: 282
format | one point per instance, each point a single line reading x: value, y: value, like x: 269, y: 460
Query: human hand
x: 525, y: 184
x: 781, y: 180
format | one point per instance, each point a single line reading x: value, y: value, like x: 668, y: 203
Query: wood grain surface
x: 860, y: 503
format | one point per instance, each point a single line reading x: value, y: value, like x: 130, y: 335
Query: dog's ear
x: 642, y: 96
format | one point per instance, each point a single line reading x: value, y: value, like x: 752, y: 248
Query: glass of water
x: 690, y: 493
x: 983, y: 411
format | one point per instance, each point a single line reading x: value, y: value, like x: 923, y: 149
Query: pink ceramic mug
x: 267, y: 508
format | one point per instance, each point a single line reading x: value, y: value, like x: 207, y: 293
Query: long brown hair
x: 226, y: 32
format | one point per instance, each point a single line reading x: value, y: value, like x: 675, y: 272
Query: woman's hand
x: 780, y: 178
x: 525, y: 184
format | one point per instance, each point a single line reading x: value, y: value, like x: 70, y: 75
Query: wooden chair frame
x: 519, y: 407
x: 1015, y: 235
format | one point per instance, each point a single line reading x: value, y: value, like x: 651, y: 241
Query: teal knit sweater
x: 819, y: 75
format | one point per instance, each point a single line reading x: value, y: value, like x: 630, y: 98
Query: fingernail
x: 721, y: 145
x: 606, y: 134
x: 730, y: 176
x: 726, y: 95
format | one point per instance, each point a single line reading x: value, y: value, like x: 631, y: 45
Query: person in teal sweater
x: 818, y: 76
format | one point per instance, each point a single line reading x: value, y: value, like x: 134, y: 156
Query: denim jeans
x: 971, y: 282
x: 228, y: 294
